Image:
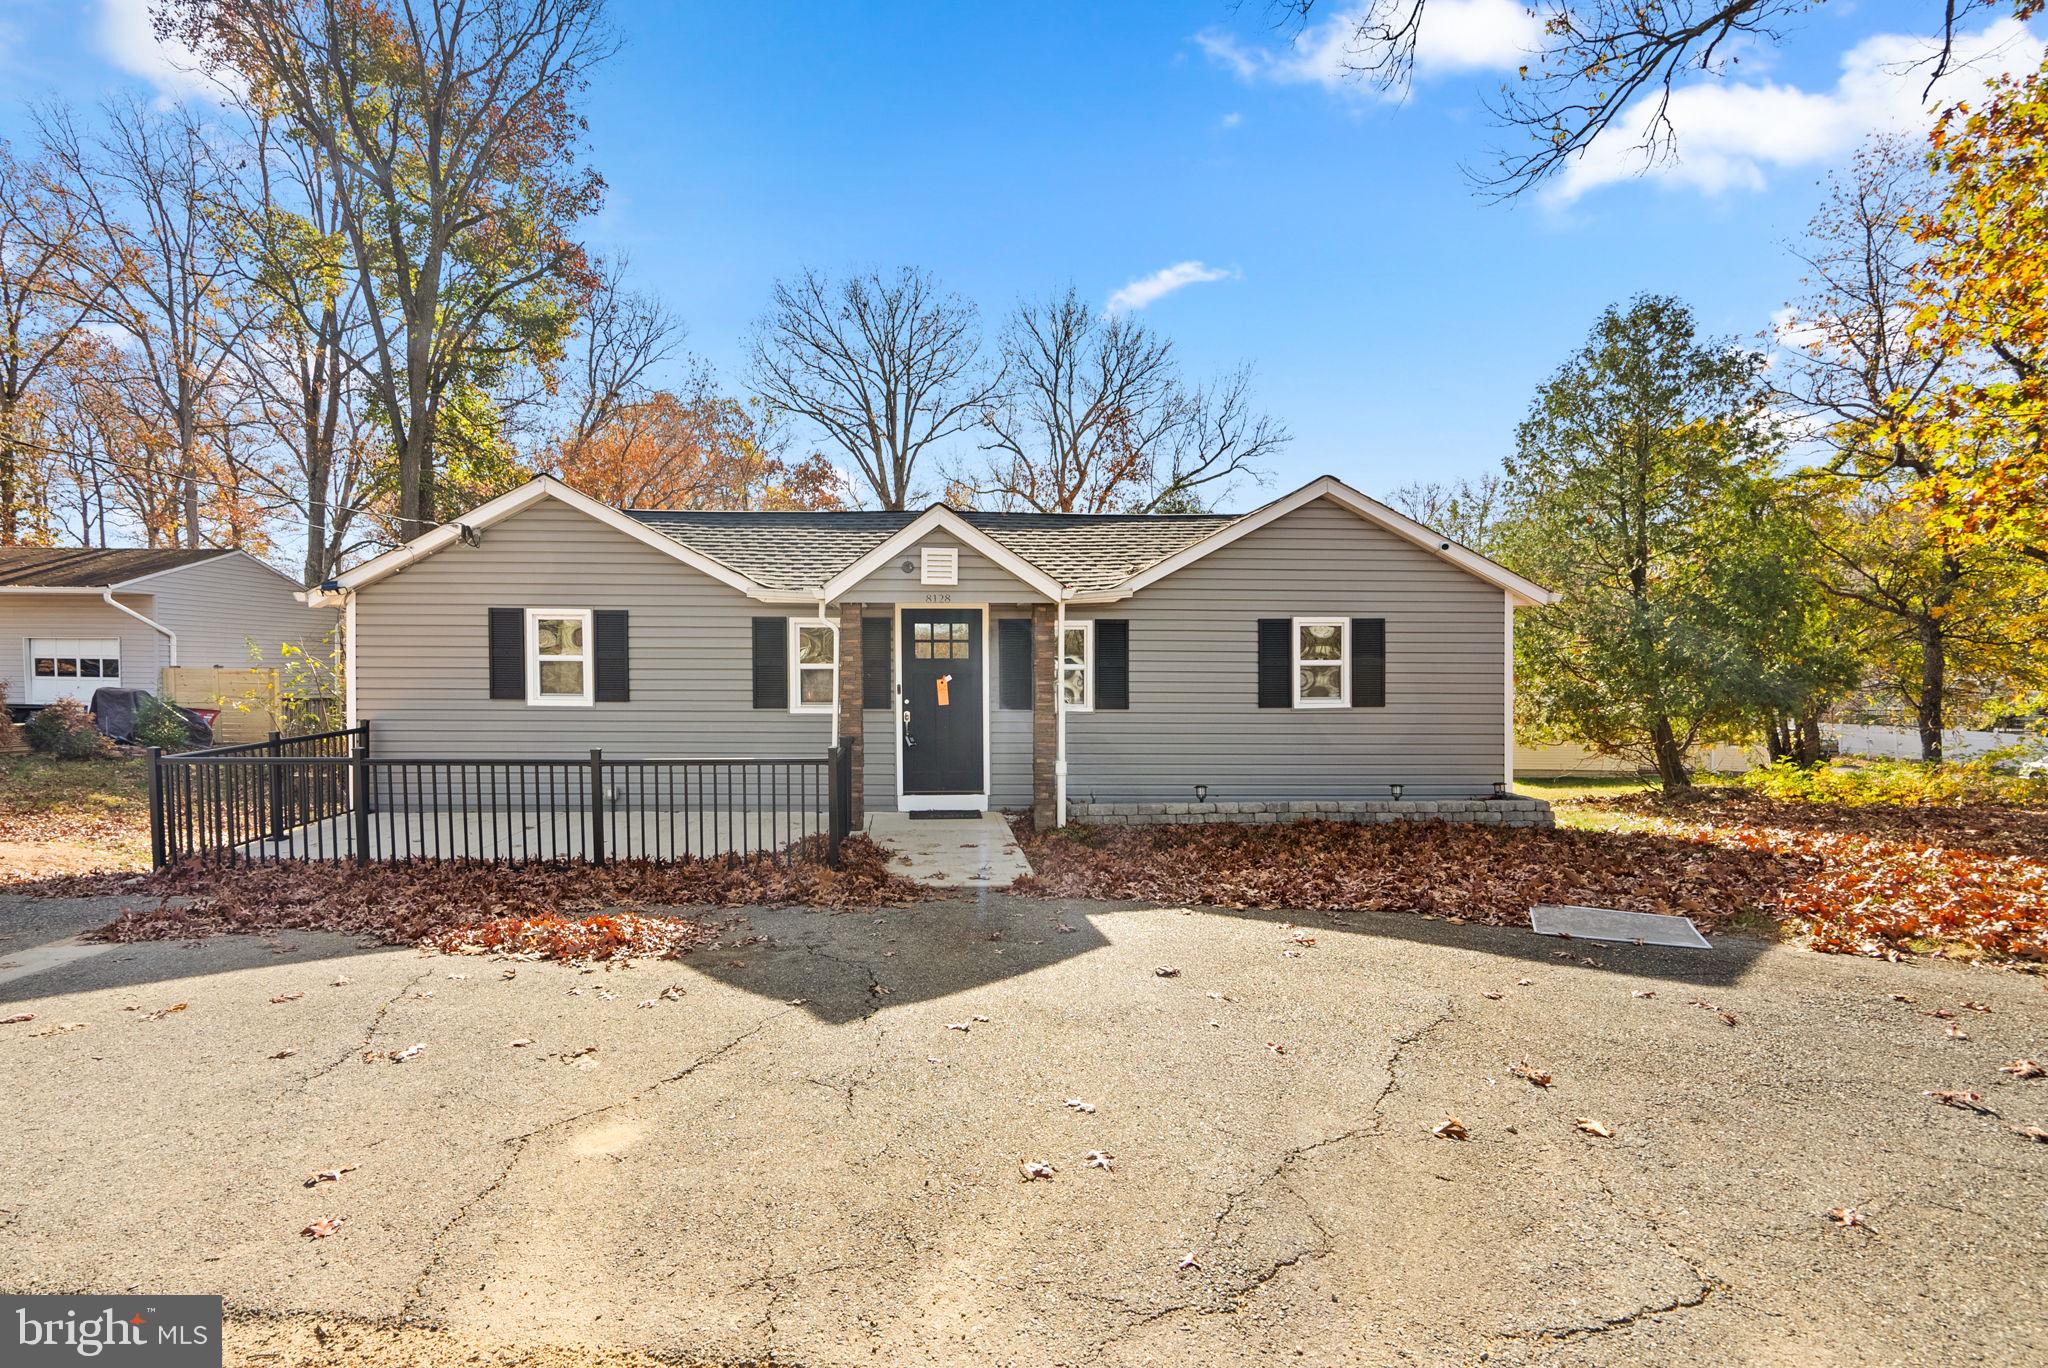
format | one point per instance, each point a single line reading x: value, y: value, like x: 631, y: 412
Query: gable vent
x: 941, y: 565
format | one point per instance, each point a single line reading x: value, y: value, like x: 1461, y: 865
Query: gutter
x: 151, y: 623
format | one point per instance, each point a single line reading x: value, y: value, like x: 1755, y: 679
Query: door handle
x: 908, y: 739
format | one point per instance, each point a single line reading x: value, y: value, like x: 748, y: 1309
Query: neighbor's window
x: 814, y: 658
x: 1077, y: 667
x: 1322, y: 662
x: 558, y: 671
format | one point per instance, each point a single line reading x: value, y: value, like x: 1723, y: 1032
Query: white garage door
x: 64, y: 667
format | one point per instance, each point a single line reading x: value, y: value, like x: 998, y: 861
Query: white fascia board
x: 941, y: 518
x: 1523, y: 591
x: 528, y: 494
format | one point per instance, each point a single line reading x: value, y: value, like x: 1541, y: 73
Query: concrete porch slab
x: 950, y: 852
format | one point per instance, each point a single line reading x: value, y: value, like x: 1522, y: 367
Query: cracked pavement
x: 801, y: 1159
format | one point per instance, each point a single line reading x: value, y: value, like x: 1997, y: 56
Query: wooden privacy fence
x: 326, y: 798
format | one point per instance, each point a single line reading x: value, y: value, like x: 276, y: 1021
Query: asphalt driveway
x: 798, y: 1154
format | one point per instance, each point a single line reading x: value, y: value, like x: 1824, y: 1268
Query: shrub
x: 66, y: 730
x: 10, y: 735
x: 157, y: 723
x: 1860, y: 782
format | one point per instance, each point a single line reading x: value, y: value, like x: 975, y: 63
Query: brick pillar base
x: 1045, y: 742
x: 851, y: 717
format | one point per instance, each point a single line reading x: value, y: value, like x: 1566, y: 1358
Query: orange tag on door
x: 944, y: 698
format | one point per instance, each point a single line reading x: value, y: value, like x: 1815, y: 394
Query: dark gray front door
x: 942, y: 681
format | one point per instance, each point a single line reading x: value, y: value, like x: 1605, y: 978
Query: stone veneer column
x: 1045, y: 741
x: 851, y: 716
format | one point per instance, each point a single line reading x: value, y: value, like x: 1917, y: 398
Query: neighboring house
x: 72, y: 621
x: 1320, y: 648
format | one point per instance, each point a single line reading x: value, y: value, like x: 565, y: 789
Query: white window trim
x: 534, y: 698
x: 796, y: 668
x: 1087, y: 630
x: 1343, y: 626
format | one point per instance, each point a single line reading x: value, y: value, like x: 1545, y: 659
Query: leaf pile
x: 605, y: 936
x: 1483, y: 874
x: 459, y: 903
x: 1867, y: 880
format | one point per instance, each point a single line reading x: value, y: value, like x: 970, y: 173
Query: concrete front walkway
x: 950, y: 852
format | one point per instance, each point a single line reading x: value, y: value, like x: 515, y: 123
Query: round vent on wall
x: 909, y: 564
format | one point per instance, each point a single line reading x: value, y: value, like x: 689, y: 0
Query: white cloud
x: 1146, y: 290
x: 1733, y: 135
x: 1457, y: 35
x: 127, y: 40
x: 1230, y: 120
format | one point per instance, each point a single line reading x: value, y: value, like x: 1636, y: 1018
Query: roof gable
x: 1522, y: 591
x: 44, y: 567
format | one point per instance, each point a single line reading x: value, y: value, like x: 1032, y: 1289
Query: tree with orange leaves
x: 706, y: 451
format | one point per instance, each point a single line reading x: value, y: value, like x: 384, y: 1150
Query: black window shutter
x: 1112, y: 664
x: 771, y: 662
x: 614, y: 682
x: 1368, y: 662
x: 1276, y: 663
x: 875, y: 634
x: 508, y: 653
x: 1013, y: 650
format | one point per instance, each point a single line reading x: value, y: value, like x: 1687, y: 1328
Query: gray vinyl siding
x: 234, y: 612
x: 981, y: 580
x: 1009, y: 739
x: 1194, y: 716
x: 27, y: 616
x: 422, y: 677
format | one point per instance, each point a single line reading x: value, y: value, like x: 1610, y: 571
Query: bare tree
x: 883, y: 367
x: 1090, y: 399
x: 42, y: 305
x: 1602, y: 66
x: 148, y: 193
x: 1095, y: 418
x: 307, y: 333
x: 453, y: 129
x: 623, y: 338
x: 1466, y: 511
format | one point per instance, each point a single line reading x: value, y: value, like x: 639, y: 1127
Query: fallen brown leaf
x: 2024, y: 1068
x: 1450, y: 1128
x: 332, y: 1175
x: 322, y: 1228
x: 1957, y: 1097
x: 1593, y: 1127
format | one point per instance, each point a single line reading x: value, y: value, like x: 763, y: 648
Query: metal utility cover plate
x: 1608, y: 924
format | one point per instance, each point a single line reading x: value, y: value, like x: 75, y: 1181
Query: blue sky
x: 1395, y: 322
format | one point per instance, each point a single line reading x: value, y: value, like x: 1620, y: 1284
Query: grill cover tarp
x: 115, y: 712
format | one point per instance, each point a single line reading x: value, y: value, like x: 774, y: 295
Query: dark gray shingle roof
x: 796, y: 551
x: 44, y: 567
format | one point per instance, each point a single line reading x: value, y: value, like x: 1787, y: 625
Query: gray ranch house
x: 1321, y: 650
x: 73, y: 620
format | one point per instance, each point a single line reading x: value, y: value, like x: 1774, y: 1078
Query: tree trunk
x: 1806, y: 751
x: 1933, y: 685
x: 1671, y: 771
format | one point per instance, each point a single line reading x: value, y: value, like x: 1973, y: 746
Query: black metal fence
x: 326, y: 798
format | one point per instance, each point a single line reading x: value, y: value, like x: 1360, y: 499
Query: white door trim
x: 938, y: 802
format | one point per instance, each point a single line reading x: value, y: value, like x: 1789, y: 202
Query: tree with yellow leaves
x: 1982, y: 295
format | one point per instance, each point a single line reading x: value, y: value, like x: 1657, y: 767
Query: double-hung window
x: 1077, y: 667
x: 1322, y: 662
x: 813, y: 666
x: 558, y: 664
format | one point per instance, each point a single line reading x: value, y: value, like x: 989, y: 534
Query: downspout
x: 1059, y: 710
x: 169, y: 635
x: 837, y: 665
